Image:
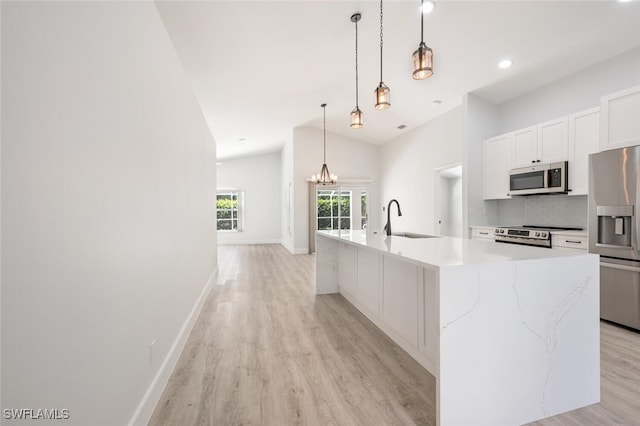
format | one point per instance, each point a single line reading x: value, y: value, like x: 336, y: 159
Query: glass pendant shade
x: 356, y: 118
x: 383, y: 96
x: 422, y: 62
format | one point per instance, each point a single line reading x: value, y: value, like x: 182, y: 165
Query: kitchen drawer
x: 482, y: 234
x: 570, y: 241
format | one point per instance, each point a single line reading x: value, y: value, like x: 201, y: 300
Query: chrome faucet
x: 387, y: 227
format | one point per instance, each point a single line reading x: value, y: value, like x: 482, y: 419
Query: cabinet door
x: 525, y: 147
x: 369, y: 280
x: 400, y: 298
x: 347, y: 272
x: 553, y: 141
x: 619, y: 123
x: 583, y: 140
x: 497, y: 163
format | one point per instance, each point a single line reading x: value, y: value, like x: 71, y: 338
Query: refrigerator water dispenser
x: 614, y: 226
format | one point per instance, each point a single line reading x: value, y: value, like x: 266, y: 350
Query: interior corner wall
x: 258, y: 177
x: 287, y: 194
x: 574, y: 93
x: 407, y: 166
x: 348, y: 158
x: 481, y: 118
x: 108, y: 209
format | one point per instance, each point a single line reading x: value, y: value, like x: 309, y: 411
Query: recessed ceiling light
x: 624, y: 1
x: 241, y: 139
x: 428, y: 6
x: 505, y: 63
x: 218, y: 163
x: 437, y: 102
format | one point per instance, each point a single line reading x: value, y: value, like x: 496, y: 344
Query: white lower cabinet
x: 347, y: 269
x: 431, y: 313
x: 569, y: 240
x: 482, y: 233
x: 400, y: 298
x: 368, y: 292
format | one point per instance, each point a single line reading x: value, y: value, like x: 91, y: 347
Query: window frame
x: 238, y: 219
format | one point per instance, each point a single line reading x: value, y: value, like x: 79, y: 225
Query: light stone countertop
x: 447, y: 251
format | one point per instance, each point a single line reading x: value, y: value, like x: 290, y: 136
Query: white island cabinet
x: 511, y: 333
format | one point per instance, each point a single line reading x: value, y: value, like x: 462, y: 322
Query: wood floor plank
x: 267, y: 351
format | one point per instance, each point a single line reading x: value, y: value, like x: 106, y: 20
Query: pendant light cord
x: 421, y: 21
x: 380, y: 41
x: 356, y: 64
x: 324, y: 133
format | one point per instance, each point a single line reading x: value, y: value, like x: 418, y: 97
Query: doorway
x: 448, y: 200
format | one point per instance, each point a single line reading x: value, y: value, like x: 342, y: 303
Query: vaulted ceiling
x: 261, y: 68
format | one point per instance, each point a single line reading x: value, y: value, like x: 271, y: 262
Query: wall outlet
x: 151, y: 346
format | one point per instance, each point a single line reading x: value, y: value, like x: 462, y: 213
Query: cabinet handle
x: 573, y: 241
x: 537, y: 161
x: 533, y: 161
x: 484, y: 233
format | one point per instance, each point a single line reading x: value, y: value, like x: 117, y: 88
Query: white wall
x: 287, y: 201
x: 348, y: 158
x: 259, y: 178
x: 407, y: 167
x: 108, y: 189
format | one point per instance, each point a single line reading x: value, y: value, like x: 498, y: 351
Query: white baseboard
x: 294, y: 250
x: 145, y: 409
x: 248, y: 242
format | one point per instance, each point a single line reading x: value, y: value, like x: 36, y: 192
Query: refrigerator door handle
x: 618, y: 266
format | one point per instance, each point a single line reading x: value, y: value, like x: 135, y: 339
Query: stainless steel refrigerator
x: 614, y: 222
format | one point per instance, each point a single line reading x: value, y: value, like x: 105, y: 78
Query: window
x: 334, y: 209
x: 229, y: 210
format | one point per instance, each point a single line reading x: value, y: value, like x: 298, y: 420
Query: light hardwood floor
x: 267, y: 351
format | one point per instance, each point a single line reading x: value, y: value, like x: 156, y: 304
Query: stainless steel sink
x: 412, y: 235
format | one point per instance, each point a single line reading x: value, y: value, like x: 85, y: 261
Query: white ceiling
x: 261, y: 68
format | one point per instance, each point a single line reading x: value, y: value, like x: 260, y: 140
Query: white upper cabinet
x: 525, y: 147
x: 497, y: 163
x: 553, y: 140
x: 544, y: 143
x: 620, y: 119
x: 583, y: 140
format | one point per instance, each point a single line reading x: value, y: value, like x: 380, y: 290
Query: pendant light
x: 423, y: 56
x: 356, y: 114
x: 383, y: 93
x: 325, y: 178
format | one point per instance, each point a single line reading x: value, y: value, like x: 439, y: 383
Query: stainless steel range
x: 529, y: 235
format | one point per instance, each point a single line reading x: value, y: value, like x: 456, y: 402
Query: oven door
x: 620, y: 291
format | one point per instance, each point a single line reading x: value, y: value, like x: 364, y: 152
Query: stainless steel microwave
x: 549, y: 178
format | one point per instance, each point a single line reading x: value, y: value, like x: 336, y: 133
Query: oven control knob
x: 537, y: 234
x: 496, y: 231
x: 502, y: 231
x: 544, y: 234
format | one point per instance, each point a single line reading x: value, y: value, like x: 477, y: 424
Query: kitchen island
x: 511, y: 333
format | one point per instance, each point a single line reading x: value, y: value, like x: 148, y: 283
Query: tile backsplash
x: 549, y: 210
